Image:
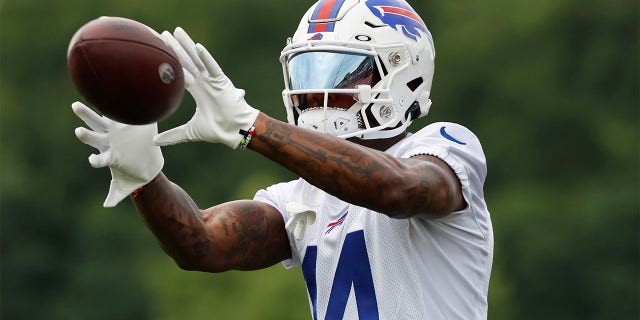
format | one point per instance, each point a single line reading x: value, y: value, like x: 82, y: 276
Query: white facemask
x: 335, y: 122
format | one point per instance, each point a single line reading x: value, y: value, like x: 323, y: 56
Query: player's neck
x: 379, y: 144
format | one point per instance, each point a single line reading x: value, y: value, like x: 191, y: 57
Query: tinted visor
x: 331, y: 70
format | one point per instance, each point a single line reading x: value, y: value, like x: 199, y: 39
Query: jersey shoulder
x: 449, y: 133
x: 440, y: 138
x: 454, y: 143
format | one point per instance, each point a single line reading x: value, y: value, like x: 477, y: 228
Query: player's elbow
x: 192, y: 261
x: 198, y: 265
x: 181, y: 259
x: 186, y: 265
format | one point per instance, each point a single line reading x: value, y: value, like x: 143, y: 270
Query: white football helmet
x: 378, y: 51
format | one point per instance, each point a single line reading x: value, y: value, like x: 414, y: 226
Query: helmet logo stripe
x: 325, y: 10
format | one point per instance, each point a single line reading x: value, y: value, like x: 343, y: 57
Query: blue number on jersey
x: 353, y: 269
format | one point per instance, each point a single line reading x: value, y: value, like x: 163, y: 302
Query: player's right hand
x: 127, y: 150
x: 221, y: 110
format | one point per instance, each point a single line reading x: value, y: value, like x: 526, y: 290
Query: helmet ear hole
x: 415, y: 83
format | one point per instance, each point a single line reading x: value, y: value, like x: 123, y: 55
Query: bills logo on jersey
x: 400, y: 16
x: 334, y: 224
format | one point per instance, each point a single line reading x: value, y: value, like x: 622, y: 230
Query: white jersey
x: 361, y: 264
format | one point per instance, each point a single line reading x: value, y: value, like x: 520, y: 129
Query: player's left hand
x: 221, y: 111
x: 127, y: 150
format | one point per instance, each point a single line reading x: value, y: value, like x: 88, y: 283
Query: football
x: 124, y: 70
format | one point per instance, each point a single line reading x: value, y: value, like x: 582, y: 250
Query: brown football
x: 125, y: 71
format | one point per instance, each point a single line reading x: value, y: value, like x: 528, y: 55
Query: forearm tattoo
x: 355, y: 173
x: 173, y: 218
x: 329, y: 162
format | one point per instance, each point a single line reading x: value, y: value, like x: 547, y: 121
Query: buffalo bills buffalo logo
x: 400, y: 16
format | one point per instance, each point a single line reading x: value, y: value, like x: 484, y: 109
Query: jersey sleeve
x: 454, y: 144
x: 458, y: 147
x: 275, y: 196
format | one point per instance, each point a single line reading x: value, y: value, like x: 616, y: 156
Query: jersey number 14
x: 354, y: 270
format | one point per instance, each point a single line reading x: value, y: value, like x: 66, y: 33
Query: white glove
x: 221, y: 111
x: 127, y: 150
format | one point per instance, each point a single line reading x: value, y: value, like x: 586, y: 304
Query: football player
x: 385, y: 224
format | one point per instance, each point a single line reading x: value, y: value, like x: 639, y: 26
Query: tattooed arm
x: 247, y: 235
x: 239, y: 235
x: 363, y: 176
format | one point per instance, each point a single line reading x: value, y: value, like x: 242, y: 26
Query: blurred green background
x: 549, y: 86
